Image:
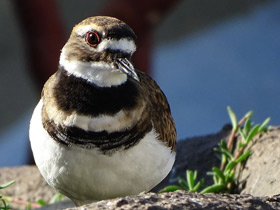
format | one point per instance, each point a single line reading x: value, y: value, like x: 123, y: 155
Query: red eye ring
x: 92, y: 38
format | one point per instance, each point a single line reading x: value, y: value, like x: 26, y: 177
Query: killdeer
x: 102, y: 129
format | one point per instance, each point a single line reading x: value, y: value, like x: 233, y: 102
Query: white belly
x: 86, y: 175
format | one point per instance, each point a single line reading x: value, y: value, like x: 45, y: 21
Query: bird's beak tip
x: 124, y: 65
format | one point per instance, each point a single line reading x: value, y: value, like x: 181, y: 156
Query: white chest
x: 86, y: 174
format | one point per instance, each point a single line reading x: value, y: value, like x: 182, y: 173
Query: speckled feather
x: 71, y: 94
x: 156, y: 108
x: 102, y: 129
x: 159, y: 111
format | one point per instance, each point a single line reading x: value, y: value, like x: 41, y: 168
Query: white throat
x: 99, y: 73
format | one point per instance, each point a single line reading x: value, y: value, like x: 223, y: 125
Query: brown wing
x: 161, y: 115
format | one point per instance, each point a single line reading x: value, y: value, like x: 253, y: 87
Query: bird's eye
x: 92, y: 38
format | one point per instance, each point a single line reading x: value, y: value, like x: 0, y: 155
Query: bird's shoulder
x: 160, y: 110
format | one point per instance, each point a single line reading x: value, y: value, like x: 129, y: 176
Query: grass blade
x: 230, y: 166
x: 183, y: 183
x: 243, y: 157
x: 56, y: 198
x: 232, y: 117
x: 170, y: 188
x: 213, y: 188
x: 263, y: 126
x: 7, y: 184
x: 190, y: 179
x: 218, y: 173
x: 254, y: 131
x: 198, y: 185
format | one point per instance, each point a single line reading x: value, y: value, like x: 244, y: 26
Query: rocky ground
x: 259, y: 180
x: 184, y: 200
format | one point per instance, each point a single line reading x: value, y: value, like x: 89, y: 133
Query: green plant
x: 189, y: 184
x: 28, y: 204
x: 3, y: 204
x: 224, y: 176
x: 56, y: 198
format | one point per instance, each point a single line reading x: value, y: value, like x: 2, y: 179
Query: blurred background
x: 205, y: 55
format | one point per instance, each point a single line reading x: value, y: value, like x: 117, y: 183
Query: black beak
x: 126, y: 66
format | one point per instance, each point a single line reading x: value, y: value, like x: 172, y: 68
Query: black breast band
x: 76, y: 94
x: 104, y: 141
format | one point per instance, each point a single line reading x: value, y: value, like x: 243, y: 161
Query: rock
x: 184, y: 200
x: 261, y: 174
x: 259, y: 177
x: 29, y: 185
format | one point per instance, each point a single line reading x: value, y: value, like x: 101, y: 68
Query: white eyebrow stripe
x: 82, y: 30
x: 123, y: 44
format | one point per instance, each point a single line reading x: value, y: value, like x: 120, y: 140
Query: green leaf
x: 216, y: 179
x: 183, y: 183
x: 227, y: 153
x: 222, y: 144
x: 249, y: 114
x: 194, y: 175
x: 190, y: 179
x: 232, y: 118
x: 170, y: 188
x: 224, y: 159
x: 247, y: 127
x: 253, y: 132
x: 263, y: 126
x: 243, y: 134
x: 240, y: 144
x: 28, y: 207
x: 229, y: 167
x: 218, y: 173
x: 231, y: 174
x: 215, y: 149
x: 7, y: 184
x: 213, y: 189
x: 230, y: 178
x: 42, y: 202
x: 198, y: 185
x: 4, y: 204
x: 210, y: 173
x: 223, y: 149
x: 243, y: 157
x: 56, y: 198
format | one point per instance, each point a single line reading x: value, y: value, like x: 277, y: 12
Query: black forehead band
x: 118, y: 32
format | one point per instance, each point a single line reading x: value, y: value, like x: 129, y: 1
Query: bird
x: 102, y: 129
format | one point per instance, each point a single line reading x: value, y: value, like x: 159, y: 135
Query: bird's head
x: 99, y: 50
